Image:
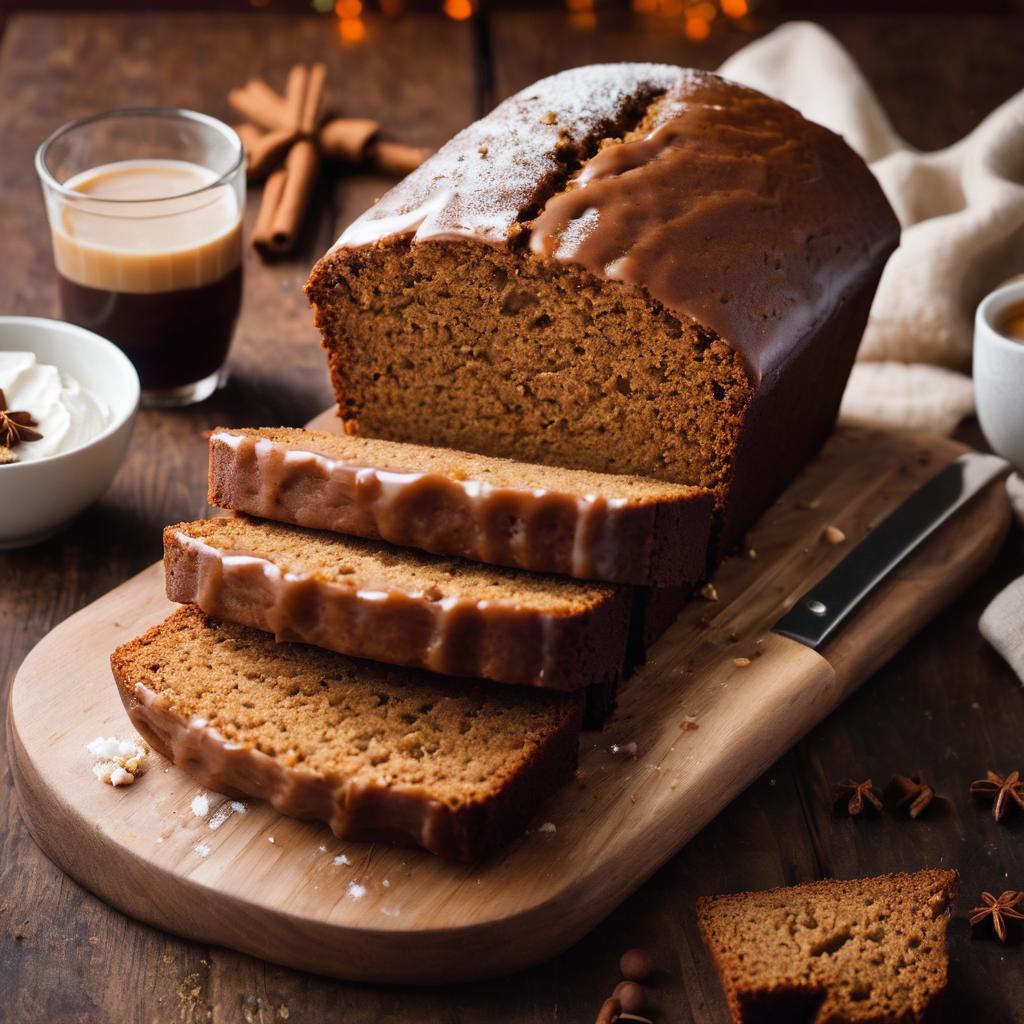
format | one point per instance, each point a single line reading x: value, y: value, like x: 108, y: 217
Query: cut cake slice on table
x: 380, y: 754
x: 371, y: 600
x: 600, y: 526
x: 846, y: 952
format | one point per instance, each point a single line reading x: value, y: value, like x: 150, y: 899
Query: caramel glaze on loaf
x: 620, y: 529
x: 398, y: 606
x: 627, y: 268
x: 380, y: 754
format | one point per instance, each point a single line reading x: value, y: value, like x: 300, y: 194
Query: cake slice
x: 846, y: 952
x: 380, y: 754
x: 404, y: 607
x: 599, y: 526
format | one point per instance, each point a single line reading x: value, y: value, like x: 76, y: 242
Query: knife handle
x: 821, y: 610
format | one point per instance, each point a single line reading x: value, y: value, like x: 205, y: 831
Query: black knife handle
x: 817, y: 614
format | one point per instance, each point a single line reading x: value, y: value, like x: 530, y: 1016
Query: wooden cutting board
x: 290, y: 892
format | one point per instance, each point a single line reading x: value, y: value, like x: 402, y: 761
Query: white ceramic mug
x: 999, y: 375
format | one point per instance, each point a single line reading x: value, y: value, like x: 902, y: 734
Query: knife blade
x: 820, y: 611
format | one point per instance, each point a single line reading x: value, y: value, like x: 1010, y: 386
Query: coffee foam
x: 166, y: 234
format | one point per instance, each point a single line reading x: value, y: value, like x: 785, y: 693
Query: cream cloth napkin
x: 1002, y: 622
x: 962, y: 212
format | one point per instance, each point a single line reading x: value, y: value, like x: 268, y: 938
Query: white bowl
x: 999, y: 375
x: 40, y: 496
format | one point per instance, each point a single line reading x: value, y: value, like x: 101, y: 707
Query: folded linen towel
x: 962, y: 212
x: 1002, y: 622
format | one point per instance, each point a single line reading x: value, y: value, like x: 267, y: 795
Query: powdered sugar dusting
x: 200, y: 805
x: 355, y: 891
x: 478, y: 185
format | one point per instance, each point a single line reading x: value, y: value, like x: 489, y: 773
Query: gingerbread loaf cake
x: 379, y: 753
x: 624, y: 268
x: 371, y: 600
x: 596, y: 526
x: 864, y: 951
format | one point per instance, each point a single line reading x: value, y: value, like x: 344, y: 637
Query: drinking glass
x: 145, y: 212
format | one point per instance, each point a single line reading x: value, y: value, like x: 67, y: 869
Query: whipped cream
x: 68, y: 414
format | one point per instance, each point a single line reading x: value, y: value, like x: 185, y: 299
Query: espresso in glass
x: 148, y: 248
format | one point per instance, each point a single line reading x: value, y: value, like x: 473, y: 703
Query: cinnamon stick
x: 267, y: 152
x: 258, y: 103
x: 396, y: 157
x: 313, y: 100
x: 300, y: 169
x: 264, y: 226
x: 346, y: 138
x: 250, y: 136
x: 295, y: 93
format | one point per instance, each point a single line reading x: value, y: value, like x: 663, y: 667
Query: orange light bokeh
x: 735, y: 8
x: 697, y: 28
x: 458, y: 10
x: 351, y: 30
x: 348, y: 9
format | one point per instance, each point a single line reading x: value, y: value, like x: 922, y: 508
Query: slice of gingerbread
x: 379, y: 753
x: 396, y: 605
x: 863, y: 950
x: 594, y: 526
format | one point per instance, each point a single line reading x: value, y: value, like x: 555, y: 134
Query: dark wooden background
x: 946, y: 706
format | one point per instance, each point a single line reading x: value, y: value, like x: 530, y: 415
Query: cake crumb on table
x: 833, y: 535
x: 117, y: 762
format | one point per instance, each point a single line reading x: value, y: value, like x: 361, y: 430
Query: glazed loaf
x: 380, y: 754
x: 403, y: 607
x: 625, y: 268
x: 598, y: 526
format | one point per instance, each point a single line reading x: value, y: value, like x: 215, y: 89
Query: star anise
x: 912, y: 793
x: 16, y: 427
x: 1000, y: 791
x: 1000, y: 910
x: 856, y: 795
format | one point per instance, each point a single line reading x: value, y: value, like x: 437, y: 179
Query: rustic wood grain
x: 946, y: 705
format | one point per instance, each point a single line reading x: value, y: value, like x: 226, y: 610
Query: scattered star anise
x: 912, y: 793
x: 856, y: 795
x: 999, y: 910
x: 1000, y: 791
x: 16, y: 427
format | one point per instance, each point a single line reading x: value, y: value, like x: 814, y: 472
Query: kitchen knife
x: 817, y: 614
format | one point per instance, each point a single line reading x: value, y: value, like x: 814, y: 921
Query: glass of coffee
x: 145, y: 209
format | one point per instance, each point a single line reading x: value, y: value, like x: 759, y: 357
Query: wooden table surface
x: 947, y: 705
